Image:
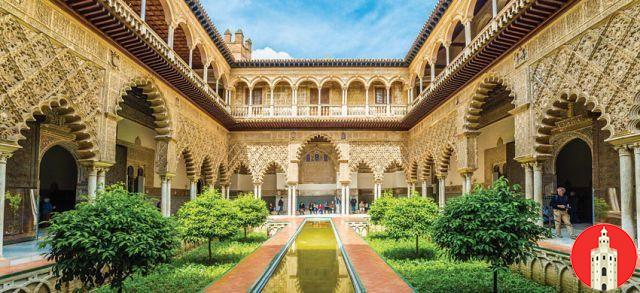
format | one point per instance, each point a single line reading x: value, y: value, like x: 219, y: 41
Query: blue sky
x: 324, y: 28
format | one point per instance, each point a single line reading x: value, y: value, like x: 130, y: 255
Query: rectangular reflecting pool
x: 313, y: 263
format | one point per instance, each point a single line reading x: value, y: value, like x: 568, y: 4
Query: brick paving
x: 249, y: 270
x: 375, y: 274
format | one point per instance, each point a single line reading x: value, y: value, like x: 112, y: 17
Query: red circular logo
x: 604, y: 255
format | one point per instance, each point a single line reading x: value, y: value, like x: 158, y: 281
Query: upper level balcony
x: 308, y: 98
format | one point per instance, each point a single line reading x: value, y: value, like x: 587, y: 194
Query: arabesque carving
x: 37, y: 74
x: 598, y: 68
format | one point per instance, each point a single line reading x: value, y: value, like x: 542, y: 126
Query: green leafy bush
x: 191, y: 271
x: 433, y: 271
x: 380, y: 207
x: 109, y: 239
x: 208, y: 217
x: 252, y: 212
x: 495, y: 224
x: 600, y: 208
x: 410, y: 217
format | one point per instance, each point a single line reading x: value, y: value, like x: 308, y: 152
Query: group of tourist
x: 320, y: 208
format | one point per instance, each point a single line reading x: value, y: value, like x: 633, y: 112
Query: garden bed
x: 190, y: 271
x: 432, y: 271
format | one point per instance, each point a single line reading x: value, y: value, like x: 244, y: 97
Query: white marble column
x: 447, y: 53
x: 191, y: 58
x: 171, y: 30
x: 255, y: 191
x: 537, y: 187
x: 319, y: 100
x: 421, y: 84
x: 344, y: 102
x: 102, y: 180
x: 626, y: 190
x: 441, y: 190
x: 271, y: 103
x: 223, y: 191
x: 193, y: 189
x: 494, y: 8
x: 3, y: 175
x: 343, y: 199
x: 366, y: 100
x: 466, y: 182
x: 388, y: 100
x: 289, y: 194
x: 143, y: 9
x: 528, y: 180
x: 347, y: 197
x: 433, y: 72
x: 92, y: 182
x: 165, y: 195
x: 424, y: 189
x: 294, y: 102
x: 467, y: 32
x: 294, y: 199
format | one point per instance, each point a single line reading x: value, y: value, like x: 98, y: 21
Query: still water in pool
x: 313, y: 263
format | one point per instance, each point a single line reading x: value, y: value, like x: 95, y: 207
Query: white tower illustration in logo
x: 604, y: 264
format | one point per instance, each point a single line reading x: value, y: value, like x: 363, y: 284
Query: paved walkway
x: 251, y: 268
x: 375, y: 274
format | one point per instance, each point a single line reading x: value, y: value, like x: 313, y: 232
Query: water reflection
x: 313, y: 263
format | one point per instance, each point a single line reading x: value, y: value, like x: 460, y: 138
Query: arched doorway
x: 574, y: 172
x: 318, y: 175
x: 58, y: 181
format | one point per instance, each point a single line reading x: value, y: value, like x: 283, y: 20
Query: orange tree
x: 495, y: 224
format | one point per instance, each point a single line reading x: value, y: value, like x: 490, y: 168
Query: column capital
x: 167, y: 176
x: 466, y: 171
x: 6, y: 151
x: 442, y: 176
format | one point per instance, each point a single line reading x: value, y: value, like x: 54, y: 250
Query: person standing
x: 353, y: 204
x: 560, y: 205
x: 280, y: 205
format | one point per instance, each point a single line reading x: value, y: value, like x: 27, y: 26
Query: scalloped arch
x: 159, y: 105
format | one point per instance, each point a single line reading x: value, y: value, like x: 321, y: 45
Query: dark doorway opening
x: 573, y: 172
x: 58, y: 182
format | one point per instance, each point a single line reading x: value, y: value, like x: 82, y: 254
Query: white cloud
x: 268, y: 53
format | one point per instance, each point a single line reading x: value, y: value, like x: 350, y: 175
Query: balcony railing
x: 483, y: 36
x: 260, y: 111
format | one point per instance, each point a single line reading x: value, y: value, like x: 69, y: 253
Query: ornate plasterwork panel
x: 376, y: 155
x: 598, y: 68
x: 202, y: 146
x: 37, y: 73
x: 431, y: 140
x: 258, y: 157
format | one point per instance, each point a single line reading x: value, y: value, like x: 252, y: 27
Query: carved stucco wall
x: 539, y: 72
x: 57, y: 62
x: 598, y: 68
x: 38, y: 73
x: 259, y: 150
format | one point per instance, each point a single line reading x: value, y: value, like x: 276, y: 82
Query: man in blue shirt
x: 560, y: 205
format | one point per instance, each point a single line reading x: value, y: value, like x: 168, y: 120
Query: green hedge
x: 190, y: 271
x: 433, y: 272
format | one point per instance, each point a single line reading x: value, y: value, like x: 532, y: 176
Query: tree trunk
x: 245, y: 232
x: 495, y: 281
x: 417, y: 250
x: 209, y: 250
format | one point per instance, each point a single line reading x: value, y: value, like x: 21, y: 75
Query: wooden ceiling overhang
x: 516, y: 23
x: 122, y: 25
